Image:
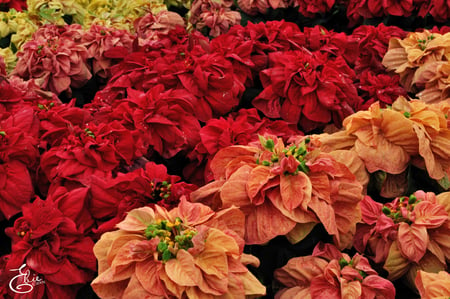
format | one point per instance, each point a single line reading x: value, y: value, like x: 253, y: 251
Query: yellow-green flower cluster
x: 120, y: 14
x: 53, y: 11
x: 19, y: 25
x: 179, y: 3
x: 9, y: 58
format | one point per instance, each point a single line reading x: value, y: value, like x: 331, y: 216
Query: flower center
x: 402, y: 210
x: 298, y: 152
x: 173, y: 236
x: 161, y: 190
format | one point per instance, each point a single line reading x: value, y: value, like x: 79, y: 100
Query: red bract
x: 111, y: 199
x: 407, y: 232
x: 73, y: 202
x: 157, y: 62
x: 16, y: 187
x: 318, y: 38
x: 94, y: 150
x: 383, y: 88
x: 54, y: 59
x: 373, y: 44
x: 49, y: 244
x: 165, y: 118
x: 311, y: 8
x: 106, y: 47
x: 328, y: 273
x: 249, y: 46
x: 307, y: 88
x: 56, y: 121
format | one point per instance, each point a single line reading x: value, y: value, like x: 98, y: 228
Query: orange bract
x: 188, y: 251
x: 284, y: 190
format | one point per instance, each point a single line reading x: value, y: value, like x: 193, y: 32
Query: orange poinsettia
x: 414, y: 132
x: 189, y: 251
x: 404, y: 56
x: 407, y: 234
x: 284, y: 190
x: 433, y: 285
x: 328, y: 273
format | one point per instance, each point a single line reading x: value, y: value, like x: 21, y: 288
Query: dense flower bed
x: 220, y: 149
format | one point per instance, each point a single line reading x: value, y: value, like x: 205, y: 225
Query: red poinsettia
x: 307, y: 88
x: 18, y: 156
x: 94, y: 150
x: 312, y: 8
x: 373, y: 44
x: 329, y: 273
x: 110, y: 199
x: 49, y: 244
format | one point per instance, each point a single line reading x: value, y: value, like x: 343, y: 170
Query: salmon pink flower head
x: 187, y: 252
x: 284, y: 190
x: 433, y: 285
x: 409, y: 132
x: 328, y: 273
x: 214, y: 16
x: 55, y: 59
x: 410, y: 231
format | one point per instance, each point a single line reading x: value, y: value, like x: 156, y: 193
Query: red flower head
x: 328, y: 273
x: 311, y: 8
x: 18, y: 156
x: 373, y: 44
x: 50, y: 246
x: 112, y: 198
x: 55, y: 59
x: 94, y: 150
x: 164, y: 118
x: 381, y: 88
x: 307, y: 88
x: 57, y: 121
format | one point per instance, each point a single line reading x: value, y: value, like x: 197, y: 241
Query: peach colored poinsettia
x: 433, y: 285
x: 284, y: 190
x: 433, y: 81
x: 404, y: 56
x: 390, y: 139
x: 407, y: 234
x: 187, y: 252
x: 330, y: 274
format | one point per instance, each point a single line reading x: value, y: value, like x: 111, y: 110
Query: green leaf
x: 444, y: 182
